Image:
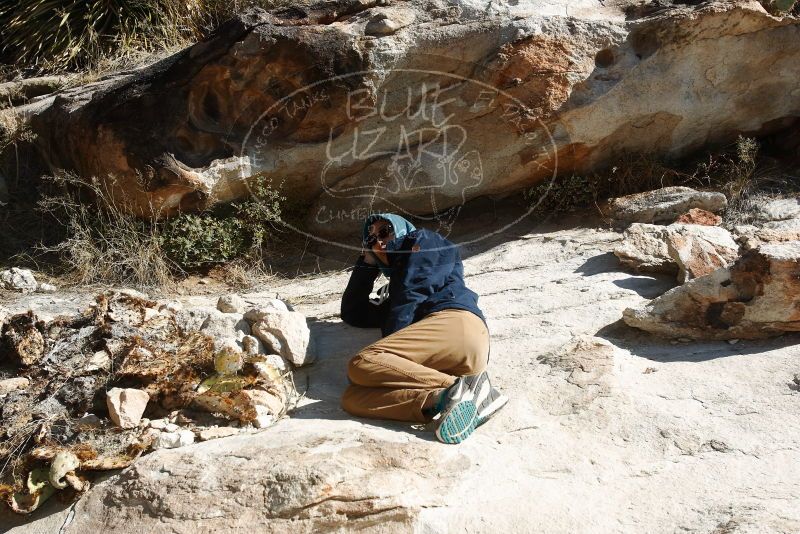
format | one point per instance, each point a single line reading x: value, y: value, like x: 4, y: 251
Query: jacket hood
x: 401, y: 228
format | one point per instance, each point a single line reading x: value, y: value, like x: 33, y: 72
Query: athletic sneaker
x: 457, y: 421
x: 488, y: 400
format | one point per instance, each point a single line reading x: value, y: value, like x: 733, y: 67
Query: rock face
x: 344, y: 484
x: 690, y: 250
x: 664, y: 205
x: 443, y: 101
x: 756, y: 297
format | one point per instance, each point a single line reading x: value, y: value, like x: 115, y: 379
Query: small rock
x: 16, y: 279
x: 263, y: 420
x: 172, y: 440
x: 144, y: 423
x: 217, y: 432
x: 99, y: 361
x: 171, y: 427
x: 183, y: 419
x: 90, y: 420
x: 172, y: 306
x: 159, y: 424
x: 231, y: 304
x: 780, y: 209
x: 389, y: 21
x: 252, y: 346
x: 733, y: 341
x: 13, y: 384
x: 253, y: 315
x: 126, y: 406
x: 291, y: 330
x: 228, y: 361
x: 690, y: 250
x: 44, y: 287
x: 754, y: 298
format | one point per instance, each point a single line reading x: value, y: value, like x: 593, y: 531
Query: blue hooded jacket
x: 426, y: 276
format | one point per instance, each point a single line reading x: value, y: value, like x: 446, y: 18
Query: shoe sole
x: 457, y: 423
x: 491, y: 409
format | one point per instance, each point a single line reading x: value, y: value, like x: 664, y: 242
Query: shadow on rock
x: 648, y: 346
x: 602, y: 263
x: 323, y: 383
x: 648, y: 287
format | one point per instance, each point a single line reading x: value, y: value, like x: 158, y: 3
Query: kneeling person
x: 431, y: 363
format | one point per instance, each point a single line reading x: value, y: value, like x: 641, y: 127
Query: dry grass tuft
x: 105, y: 243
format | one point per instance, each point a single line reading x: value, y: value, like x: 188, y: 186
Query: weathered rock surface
x: 699, y: 216
x: 231, y: 304
x: 16, y: 279
x: 445, y: 101
x: 641, y: 436
x: 287, y: 334
x: 756, y: 297
x: 779, y: 209
x: 750, y: 236
x: 126, y: 406
x: 13, y: 384
x: 689, y: 250
x: 663, y: 205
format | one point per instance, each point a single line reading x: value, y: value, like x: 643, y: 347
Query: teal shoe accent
x: 457, y: 422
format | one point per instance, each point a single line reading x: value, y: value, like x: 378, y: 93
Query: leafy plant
x: 235, y: 231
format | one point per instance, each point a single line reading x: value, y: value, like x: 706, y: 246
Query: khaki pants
x: 392, y: 378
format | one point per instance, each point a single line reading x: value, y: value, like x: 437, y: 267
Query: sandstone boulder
x: 446, y: 101
x: 689, y: 250
x: 16, y: 279
x: 663, y: 205
x: 751, y: 236
x: 779, y: 209
x: 287, y: 334
x: 332, y: 476
x: 126, y: 406
x: 754, y: 298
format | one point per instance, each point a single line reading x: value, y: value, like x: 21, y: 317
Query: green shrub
x: 104, y: 243
x: 236, y: 231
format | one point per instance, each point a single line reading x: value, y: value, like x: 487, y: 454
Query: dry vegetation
x: 741, y: 171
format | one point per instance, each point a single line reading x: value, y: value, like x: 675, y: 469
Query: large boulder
x: 690, y: 250
x: 333, y: 476
x: 423, y: 105
x: 664, y: 205
x: 755, y: 298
